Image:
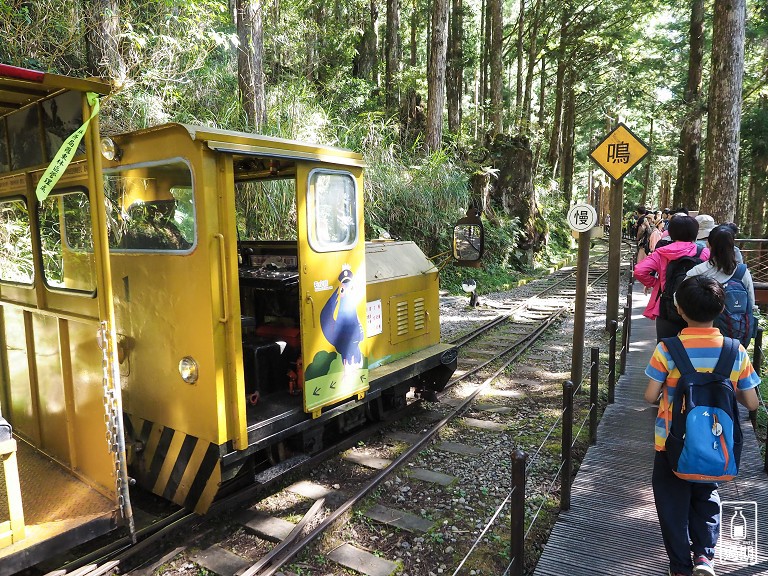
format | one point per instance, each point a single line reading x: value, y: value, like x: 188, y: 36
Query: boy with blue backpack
x: 700, y: 375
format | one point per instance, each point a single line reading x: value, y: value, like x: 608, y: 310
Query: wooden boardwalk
x: 612, y: 527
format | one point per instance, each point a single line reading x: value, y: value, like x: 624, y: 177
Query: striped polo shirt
x: 703, y: 346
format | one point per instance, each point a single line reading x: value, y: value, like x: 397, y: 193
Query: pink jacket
x: 652, y: 270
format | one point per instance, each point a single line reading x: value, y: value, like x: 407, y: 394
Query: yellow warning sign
x: 619, y: 152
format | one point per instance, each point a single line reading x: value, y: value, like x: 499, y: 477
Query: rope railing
x: 485, y: 530
x: 544, y: 499
x: 543, y: 442
x: 521, y: 469
x: 584, y: 378
x: 581, y: 427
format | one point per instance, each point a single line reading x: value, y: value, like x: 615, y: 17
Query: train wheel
x: 277, y: 453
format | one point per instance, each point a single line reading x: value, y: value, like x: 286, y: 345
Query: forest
x: 453, y: 103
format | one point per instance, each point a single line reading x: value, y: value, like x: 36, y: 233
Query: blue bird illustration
x: 340, y: 324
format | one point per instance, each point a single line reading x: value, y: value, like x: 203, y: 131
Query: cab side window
x: 151, y: 208
x: 66, y: 241
x: 16, y: 241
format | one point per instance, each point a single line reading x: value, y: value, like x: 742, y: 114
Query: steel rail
x: 406, y: 455
x: 467, y: 338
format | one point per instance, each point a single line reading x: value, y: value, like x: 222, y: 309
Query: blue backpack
x: 737, y: 320
x: 704, y: 441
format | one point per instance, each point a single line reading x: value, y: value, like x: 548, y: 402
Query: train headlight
x: 110, y: 150
x: 188, y: 369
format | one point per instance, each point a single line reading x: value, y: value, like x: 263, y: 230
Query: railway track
x: 394, y: 480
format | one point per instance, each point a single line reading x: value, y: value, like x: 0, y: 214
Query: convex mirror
x: 469, y: 239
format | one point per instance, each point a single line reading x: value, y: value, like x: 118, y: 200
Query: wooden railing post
x: 567, y: 441
x: 517, y: 517
x: 612, y: 363
x: 625, y: 339
x: 593, y: 383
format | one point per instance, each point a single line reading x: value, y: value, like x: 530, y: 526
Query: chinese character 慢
x: 581, y: 217
x: 618, y: 152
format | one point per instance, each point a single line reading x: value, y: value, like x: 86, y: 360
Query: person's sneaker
x: 703, y: 566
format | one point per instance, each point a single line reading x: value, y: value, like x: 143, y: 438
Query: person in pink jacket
x: 651, y: 272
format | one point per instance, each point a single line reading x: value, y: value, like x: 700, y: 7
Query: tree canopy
x: 429, y: 85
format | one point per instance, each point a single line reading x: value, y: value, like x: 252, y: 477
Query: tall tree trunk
x: 311, y: 49
x: 436, y: 74
x: 666, y: 183
x: 250, y: 62
x: 392, y: 55
x: 647, y: 174
x: 414, y: 32
x: 277, y: 62
x: 366, y: 58
x: 569, y: 131
x: 485, y: 43
x: 102, y: 18
x: 688, y: 181
x: 519, y: 84
x: 496, y: 23
x: 455, y: 72
x: 555, y: 138
x: 542, y: 103
x: 721, y: 170
x: 525, y: 119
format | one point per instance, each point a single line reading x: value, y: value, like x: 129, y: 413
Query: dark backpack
x: 675, y: 274
x: 737, y: 320
x: 663, y: 241
x: 705, y: 440
x: 645, y: 241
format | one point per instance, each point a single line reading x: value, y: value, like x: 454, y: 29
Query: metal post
x: 566, y: 452
x: 757, y: 364
x: 612, y: 363
x: 579, y: 317
x: 624, y: 340
x: 593, y: 382
x: 630, y: 290
x: 614, y: 252
x: 517, y: 517
x: 757, y: 361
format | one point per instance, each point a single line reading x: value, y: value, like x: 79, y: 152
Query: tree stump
x: 513, y: 192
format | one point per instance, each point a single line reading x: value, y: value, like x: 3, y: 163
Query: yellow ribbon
x: 63, y: 157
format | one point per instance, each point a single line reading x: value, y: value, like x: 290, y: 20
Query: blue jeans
x: 689, y: 515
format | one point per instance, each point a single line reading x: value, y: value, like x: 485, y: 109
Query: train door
x: 332, y: 284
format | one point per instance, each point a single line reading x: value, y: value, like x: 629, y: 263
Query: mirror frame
x: 471, y: 219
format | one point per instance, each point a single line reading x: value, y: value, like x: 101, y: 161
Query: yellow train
x: 144, y: 340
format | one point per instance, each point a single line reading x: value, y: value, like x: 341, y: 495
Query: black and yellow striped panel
x: 174, y: 465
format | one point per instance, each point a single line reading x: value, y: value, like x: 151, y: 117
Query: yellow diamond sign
x: 619, y: 152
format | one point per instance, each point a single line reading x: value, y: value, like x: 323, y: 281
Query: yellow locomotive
x: 129, y: 295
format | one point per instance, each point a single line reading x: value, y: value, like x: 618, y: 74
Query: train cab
x: 270, y: 337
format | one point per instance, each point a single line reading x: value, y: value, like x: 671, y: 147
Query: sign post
x: 617, y: 154
x: 581, y: 218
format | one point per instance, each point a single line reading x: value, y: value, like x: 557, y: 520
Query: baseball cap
x: 706, y: 223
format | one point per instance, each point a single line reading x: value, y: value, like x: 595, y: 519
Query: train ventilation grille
x: 419, y: 314
x: 408, y: 317
x: 402, y: 318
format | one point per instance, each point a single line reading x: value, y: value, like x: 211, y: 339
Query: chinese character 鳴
x: 618, y: 152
